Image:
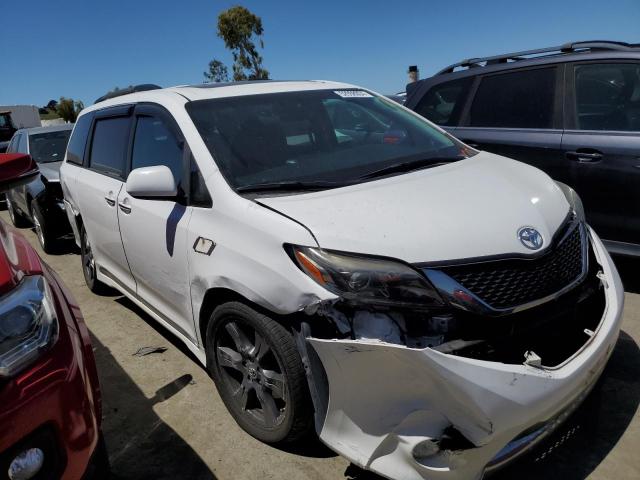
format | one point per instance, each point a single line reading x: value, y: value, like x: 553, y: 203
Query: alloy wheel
x: 252, y: 373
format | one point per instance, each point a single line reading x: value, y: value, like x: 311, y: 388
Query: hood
x: 51, y: 170
x: 471, y: 208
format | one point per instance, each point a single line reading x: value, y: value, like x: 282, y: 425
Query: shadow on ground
x: 598, y: 424
x: 629, y: 270
x: 140, y: 444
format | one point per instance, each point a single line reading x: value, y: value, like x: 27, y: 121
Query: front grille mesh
x: 509, y: 283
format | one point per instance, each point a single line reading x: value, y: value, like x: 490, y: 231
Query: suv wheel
x: 89, y: 265
x: 259, y: 374
x: 47, y: 242
x: 17, y: 218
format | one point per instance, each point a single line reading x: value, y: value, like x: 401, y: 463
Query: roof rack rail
x: 124, y: 91
x: 570, y: 47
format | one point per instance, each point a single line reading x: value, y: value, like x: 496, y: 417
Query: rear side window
x: 521, y: 99
x: 109, y: 146
x: 443, y: 103
x: 155, y: 144
x: 78, y: 140
x: 608, y: 97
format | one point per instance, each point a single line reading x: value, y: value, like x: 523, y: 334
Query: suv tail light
x: 28, y: 324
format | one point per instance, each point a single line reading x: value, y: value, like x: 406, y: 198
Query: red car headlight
x: 28, y: 324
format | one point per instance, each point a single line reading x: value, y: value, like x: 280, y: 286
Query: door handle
x: 111, y: 199
x: 124, y: 206
x: 584, y: 157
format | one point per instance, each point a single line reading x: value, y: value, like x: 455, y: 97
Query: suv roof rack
x: 570, y: 47
x: 132, y: 89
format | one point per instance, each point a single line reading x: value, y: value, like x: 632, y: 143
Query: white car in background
x: 339, y: 263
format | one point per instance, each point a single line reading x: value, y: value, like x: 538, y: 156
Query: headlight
x: 27, y: 324
x: 574, y: 200
x: 364, y: 279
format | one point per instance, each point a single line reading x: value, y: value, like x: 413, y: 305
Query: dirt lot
x: 165, y: 420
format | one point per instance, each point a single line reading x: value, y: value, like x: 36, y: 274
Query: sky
x: 84, y: 48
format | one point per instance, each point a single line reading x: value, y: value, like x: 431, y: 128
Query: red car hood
x: 17, y: 258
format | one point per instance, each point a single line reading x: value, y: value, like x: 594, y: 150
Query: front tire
x: 256, y: 367
x: 89, y: 265
x: 47, y: 241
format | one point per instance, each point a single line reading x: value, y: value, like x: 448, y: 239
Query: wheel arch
x: 217, y: 296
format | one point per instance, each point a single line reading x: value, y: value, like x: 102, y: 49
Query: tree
x: 51, y: 105
x: 240, y: 29
x: 69, y: 109
x: 217, y: 72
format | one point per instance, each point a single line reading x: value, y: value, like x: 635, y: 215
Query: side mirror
x: 151, y: 182
x: 16, y: 169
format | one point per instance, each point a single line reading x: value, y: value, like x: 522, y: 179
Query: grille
x: 509, y: 283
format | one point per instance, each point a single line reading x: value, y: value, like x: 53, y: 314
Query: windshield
x: 48, y: 147
x: 321, y: 137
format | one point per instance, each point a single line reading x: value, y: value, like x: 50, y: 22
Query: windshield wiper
x: 289, y: 186
x: 402, y: 167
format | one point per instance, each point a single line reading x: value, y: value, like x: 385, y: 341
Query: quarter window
x: 13, y: 144
x: 521, y: 99
x: 608, y: 97
x: 109, y: 145
x: 155, y: 144
x: 443, y: 103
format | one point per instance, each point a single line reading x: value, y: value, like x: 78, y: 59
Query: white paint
x: 470, y: 208
x: 155, y: 181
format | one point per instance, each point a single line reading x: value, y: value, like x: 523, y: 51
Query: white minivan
x: 339, y: 263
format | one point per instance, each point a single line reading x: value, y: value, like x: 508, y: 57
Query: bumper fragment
x: 391, y: 408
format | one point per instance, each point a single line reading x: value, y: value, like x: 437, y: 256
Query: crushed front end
x: 468, y: 384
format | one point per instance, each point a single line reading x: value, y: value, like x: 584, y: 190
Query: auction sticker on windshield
x: 352, y: 93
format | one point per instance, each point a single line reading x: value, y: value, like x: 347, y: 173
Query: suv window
x: 109, y: 145
x: 78, y: 140
x: 608, y: 97
x: 155, y: 144
x: 521, y: 99
x: 443, y: 103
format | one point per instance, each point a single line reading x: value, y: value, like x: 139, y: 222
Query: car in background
x: 40, y: 203
x: 50, y: 404
x: 337, y: 262
x: 572, y: 111
x: 7, y: 129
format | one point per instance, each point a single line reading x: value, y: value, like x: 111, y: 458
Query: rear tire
x: 17, y: 218
x: 89, y: 266
x: 43, y: 232
x: 258, y: 371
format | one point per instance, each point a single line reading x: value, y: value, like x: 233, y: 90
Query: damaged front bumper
x: 415, y: 413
